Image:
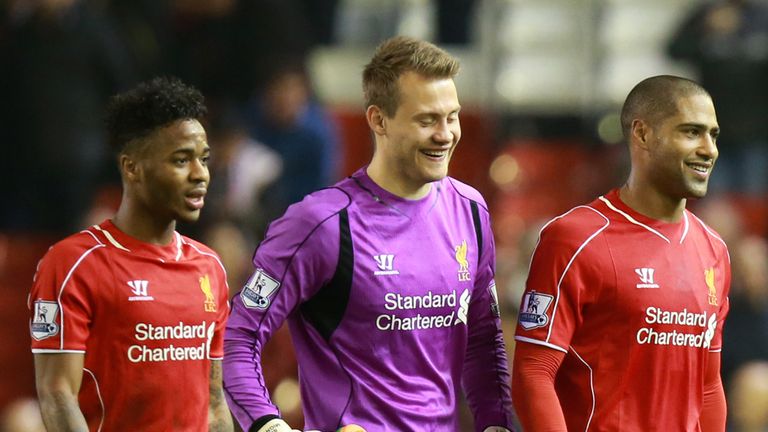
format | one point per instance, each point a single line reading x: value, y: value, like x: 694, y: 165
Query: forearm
x: 485, y: 380
x: 61, y: 412
x: 714, y: 408
x: 219, y: 418
x: 537, y: 406
x: 713, y: 413
x: 246, y: 391
x: 533, y: 388
x: 57, y: 378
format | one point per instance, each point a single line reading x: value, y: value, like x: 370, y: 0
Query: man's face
x: 174, y: 171
x: 683, y: 149
x: 424, y: 131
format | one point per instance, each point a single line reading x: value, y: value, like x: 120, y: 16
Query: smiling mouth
x: 435, y: 154
x: 699, y: 168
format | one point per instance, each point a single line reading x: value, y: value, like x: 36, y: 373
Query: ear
x: 376, y: 120
x: 640, y: 133
x: 129, y: 167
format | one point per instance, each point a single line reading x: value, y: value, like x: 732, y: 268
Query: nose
x: 445, y: 132
x: 708, y: 148
x: 199, y: 171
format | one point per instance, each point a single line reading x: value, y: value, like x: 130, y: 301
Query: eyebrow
x: 191, y: 150
x: 701, y: 126
x: 435, y: 113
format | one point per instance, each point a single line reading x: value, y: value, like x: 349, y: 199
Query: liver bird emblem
x: 709, y: 277
x: 210, y: 301
x: 461, y: 257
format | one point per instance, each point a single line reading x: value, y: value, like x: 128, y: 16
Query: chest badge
x: 210, y: 301
x: 140, y: 290
x: 709, y: 278
x: 461, y: 258
x: 385, y: 264
x: 646, y: 278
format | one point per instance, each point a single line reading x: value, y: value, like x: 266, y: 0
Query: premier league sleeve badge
x: 533, y: 311
x: 259, y: 289
x: 43, y: 323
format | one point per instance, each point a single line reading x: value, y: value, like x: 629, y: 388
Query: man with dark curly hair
x: 127, y: 316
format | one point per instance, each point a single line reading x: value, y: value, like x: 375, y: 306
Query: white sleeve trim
x: 64, y: 284
x: 56, y: 351
x: 570, y: 263
x: 542, y: 343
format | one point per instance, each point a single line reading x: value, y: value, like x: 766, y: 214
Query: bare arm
x: 219, y: 418
x: 58, y: 377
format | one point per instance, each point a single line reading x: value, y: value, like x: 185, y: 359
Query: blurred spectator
x: 22, y: 415
x: 241, y: 170
x: 228, y: 241
x: 285, y: 117
x: 748, y: 398
x: 725, y: 218
x: 61, y: 60
x: 746, y: 330
x: 727, y: 42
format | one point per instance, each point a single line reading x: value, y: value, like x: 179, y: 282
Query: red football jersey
x: 148, y: 318
x: 636, y: 304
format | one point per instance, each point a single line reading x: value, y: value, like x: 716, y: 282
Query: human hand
x: 277, y: 425
x: 347, y: 428
x: 351, y: 428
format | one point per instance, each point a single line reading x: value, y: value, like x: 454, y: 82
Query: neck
x: 649, y: 202
x: 143, y: 225
x: 395, y: 182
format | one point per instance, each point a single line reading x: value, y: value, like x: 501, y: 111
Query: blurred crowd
x: 273, y: 142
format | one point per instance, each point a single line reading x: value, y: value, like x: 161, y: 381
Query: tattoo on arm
x: 219, y: 418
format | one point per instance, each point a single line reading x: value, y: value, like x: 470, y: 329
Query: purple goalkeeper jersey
x: 392, y: 309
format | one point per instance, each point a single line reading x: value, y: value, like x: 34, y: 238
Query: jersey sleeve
x: 724, y: 306
x: 292, y: 263
x: 61, y: 301
x: 485, y: 377
x: 564, y: 276
x: 222, y: 313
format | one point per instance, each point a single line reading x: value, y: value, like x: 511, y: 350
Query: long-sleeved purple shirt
x: 391, y: 305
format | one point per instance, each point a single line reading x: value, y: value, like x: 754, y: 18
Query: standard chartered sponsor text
x: 397, y: 302
x: 181, y: 332
x: 676, y: 337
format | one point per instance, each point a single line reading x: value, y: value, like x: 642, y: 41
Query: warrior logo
x: 385, y: 262
x: 140, y: 290
x: 646, y: 278
x: 258, y: 290
x: 533, y: 313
